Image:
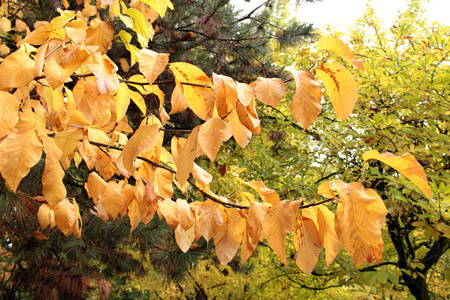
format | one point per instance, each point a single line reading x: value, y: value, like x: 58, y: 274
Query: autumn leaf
x: 253, y: 229
x: 45, y: 215
x: 9, y: 107
x: 163, y: 183
x: 226, y: 96
x: 65, y: 216
x: 269, y: 90
x: 67, y: 141
x: 211, y: 135
x: 241, y: 134
x: 341, y: 87
x: 307, y: 244
x: 16, y: 70
x: 327, y: 234
x: 268, y: 195
x: 144, y: 139
x: 53, y: 187
x: 184, y: 237
x: 211, y: 219
x: 95, y: 186
x: 325, y: 190
x: 305, y: 106
x: 44, y: 33
x: 200, y: 95
x: 151, y: 64
x: 248, y: 117
x: 112, y: 199
x: 123, y: 101
x: 278, y: 221
x: 100, y: 34
x: 406, y: 164
x: 340, y: 48
x: 23, y: 151
x: 105, y: 72
x: 228, y: 238
x: 359, y: 219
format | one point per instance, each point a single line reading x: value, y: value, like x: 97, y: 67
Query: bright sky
x: 343, y: 13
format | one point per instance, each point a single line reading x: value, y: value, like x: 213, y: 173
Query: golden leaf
x: 341, y: 87
x: 211, y: 135
x: 248, y: 117
x: 406, y: 164
x: 225, y: 95
x: 67, y: 141
x: 307, y: 244
x: 19, y: 153
x: 253, y: 229
x: 76, y: 30
x: 100, y: 34
x: 241, y: 134
x: 16, y: 70
x: 5, y: 24
x: 268, y: 195
x: 9, y: 107
x: 359, y: 219
x: 169, y: 210
x: 163, y: 183
x: 305, y: 106
x: 340, y: 48
x: 53, y: 187
x: 144, y: 139
x: 42, y: 34
x: 45, y: 215
x: 105, y: 72
x: 327, y: 233
x: 65, y: 216
x: 112, y: 199
x: 95, y: 186
x: 269, y: 90
x: 200, y: 98
x: 325, y: 190
x: 123, y: 101
x: 151, y: 64
x: 211, y: 219
x: 228, y: 238
x: 278, y: 221
x: 184, y: 237
x: 246, y: 93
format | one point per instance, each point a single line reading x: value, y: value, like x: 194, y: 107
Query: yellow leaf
x: 45, y: 215
x: 327, y: 233
x: 305, y: 106
x: 159, y: 5
x: 112, y: 199
x: 65, y: 216
x: 226, y: 96
x: 19, y: 152
x: 269, y: 90
x: 95, y: 186
x: 246, y: 93
x: 100, y: 34
x: 268, y: 195
x: 41, y: 34
x: 278, y: 221
x: 144, y: 139
x: 406, y: 164
x: 16, y: 70
x: 340, y: 48
x: 134, y: 215
x: 211, y: 135
x: 53, y: 187
x: 228, y: 238
x: 184, y: 237
x: 241, y: 134
x: 359, y: 219
x: 54, y: 99
x: 88, y: 10
x: 163, y: 183
x: 341, y: 87
x: 202, y: 177
x: 185, y: 215
x: 139, y: 101
x: 67, y: 141
x: 253, y: 229
x: 105, y: 72
x: 151, y: 64
x: 211, y: 219
x: 9, y: 108
x: 4, y: 50
x: 5, y: 25
x: 141, y: 26
x: 307, y: 244
x: 200, y: 98
x: 325, y: 190
x: 123, y: 101
x: 76, y: 30
x: 169, y: 210
x: 248, y: 117
x: 179, y: 102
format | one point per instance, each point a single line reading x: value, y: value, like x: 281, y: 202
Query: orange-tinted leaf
x: 76, y: 30
x: 241, y: 134
x: 95, y: 186
x: 228, y: 239
x: 248, y: 117
x: 151, y: 64
x: 278, y: 221
x: 359, y: 219
x: 327, y: 233
x: 135, y: 215
x: 9, y: 107
x: 225, y: 95
x: 41, y: 34
x: 179, y: 102
x: 163, y: 183
x: 211, y: 135
x: 269, y: 90
x: 67, y: 141
x: 123, y: 101
x: 16, y: 70
x: 19, y: 152
x: 406, y: 165
x: 100, y: 34
x: 5, y: 24
x: 169, y: 210
x: 246, y: 93
x: 144, y: 139
x: 341, y: 87
x: 200, y: 98
x: 211, y: 219
x: 325, y: 190
x: 65, y: 216
x: 268, y: 195
x: 184, y: 237
x: 202, y: 177
x: 307, y: 244
x: 105, y: 72
x: 185, y: 215
x: 305, y: 106
x: 53, y: 187
x: 112, y: 199
x: 45, y: 215
x: 253, y: 229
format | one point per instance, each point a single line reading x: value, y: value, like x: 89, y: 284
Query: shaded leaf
x: 269, y: 90
x: 307, y: 244
x: 211, y: 135
x: 151, y: 64
x: 228, y: 238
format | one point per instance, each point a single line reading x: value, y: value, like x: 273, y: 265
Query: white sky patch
x: 340, y: 14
